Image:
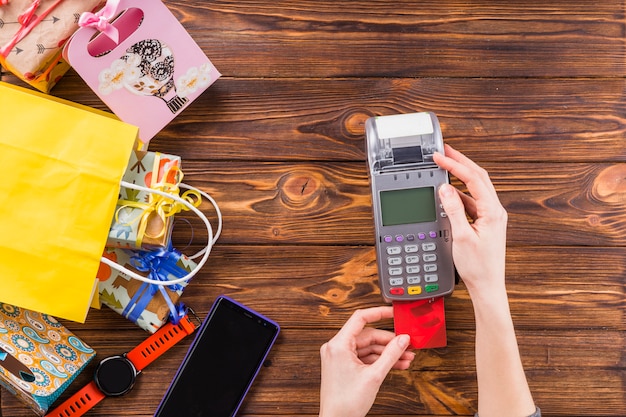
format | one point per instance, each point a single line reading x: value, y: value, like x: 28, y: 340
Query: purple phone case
x: 199, y: 333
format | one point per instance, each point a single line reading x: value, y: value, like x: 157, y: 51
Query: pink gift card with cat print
x: 141, y: 62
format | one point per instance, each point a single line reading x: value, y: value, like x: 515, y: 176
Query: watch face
x: 115, y: 376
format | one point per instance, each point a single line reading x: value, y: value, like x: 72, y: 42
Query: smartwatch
x: 115, y: 375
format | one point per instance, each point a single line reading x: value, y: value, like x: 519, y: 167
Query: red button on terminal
x: 396, y: 291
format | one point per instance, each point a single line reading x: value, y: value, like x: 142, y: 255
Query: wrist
x: 326, y: 414
x: 487, y: 291
x: 490, y: 304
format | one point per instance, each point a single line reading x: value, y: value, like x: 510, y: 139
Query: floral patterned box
x: 145, y: 304
x: 39, y: 357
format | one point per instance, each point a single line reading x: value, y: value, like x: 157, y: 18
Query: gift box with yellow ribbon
x: 147, y: 305
x: 33, y: 33
x: 143, y: 219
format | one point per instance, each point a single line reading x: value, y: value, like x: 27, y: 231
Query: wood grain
x: 534, y: 92
x: 407, y: 38
x: 522, y: 120
x: 327, y: 203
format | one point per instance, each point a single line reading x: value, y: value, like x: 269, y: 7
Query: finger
x: 371, y: 336
x: 360, y: 318
x: 455, y: 210
x: 391, y: 354
x: 477, y: 172
x: 484, y: 201
x: 459, y: 157
x: 475, y: 178
x: 403, y: 364
x: 470, y: 204
x: 377, y: 350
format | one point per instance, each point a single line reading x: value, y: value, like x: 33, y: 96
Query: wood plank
x: 318, y: 287
x: 440, y: 381
x: 545, y: 348
x: 409, y: 38
x: 529, y: 120
x: 329, y: 203
x: 319, y: 290
x: 322, y: 286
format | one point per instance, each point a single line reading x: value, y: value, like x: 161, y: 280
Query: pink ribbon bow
x: 100, y: 20
x: 27, y: 16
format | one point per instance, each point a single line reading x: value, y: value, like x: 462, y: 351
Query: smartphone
x: 221, y: 363
x: 413, y: 238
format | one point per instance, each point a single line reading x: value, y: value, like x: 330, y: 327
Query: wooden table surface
x: 533, y: 91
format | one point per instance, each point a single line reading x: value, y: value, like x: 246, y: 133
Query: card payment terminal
x: 413, y: 239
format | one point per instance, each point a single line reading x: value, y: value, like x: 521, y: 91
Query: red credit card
x: 423, y: 320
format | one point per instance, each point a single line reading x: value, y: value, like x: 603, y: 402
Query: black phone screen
x: 221, y: 364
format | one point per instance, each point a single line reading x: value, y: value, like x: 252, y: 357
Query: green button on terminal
x: 431, y: 287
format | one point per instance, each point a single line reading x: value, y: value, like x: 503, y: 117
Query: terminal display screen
x: 408, y: 206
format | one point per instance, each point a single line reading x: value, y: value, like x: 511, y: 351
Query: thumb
x: 392, y: 353
x: 454, y: 208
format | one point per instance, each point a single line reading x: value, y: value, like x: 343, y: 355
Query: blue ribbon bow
x: 160, y: 264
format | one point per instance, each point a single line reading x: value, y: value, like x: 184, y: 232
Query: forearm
x: 502, y: 387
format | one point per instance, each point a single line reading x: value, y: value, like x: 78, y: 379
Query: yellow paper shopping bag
x: 62, y: 164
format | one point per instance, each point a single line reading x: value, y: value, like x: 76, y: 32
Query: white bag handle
x: 212, y: 238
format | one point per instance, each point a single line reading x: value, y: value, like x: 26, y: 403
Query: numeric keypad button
x: 431, y: 277
x: 413, y: 279
x: 411, y: 248
x: 396, y: 282
x: 429, y: 257
x: 429, y: 246
x: 412, y: 269
x: 395, y: 271
x: 412, y: 259
x: 394, y: 250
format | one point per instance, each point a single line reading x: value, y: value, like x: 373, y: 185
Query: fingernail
x: 404, y: 340
x: 446, y: 190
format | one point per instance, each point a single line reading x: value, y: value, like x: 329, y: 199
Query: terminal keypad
x: 411, y: 263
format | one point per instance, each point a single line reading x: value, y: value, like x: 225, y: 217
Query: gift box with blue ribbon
x: 148, y: 305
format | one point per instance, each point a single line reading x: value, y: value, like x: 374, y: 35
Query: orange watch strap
x: 157, y: 344
x: 141, y: 356
x: 79, y: 403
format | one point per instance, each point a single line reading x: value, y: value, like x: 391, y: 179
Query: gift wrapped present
x: 39, y: 357
x: 32, y: 36
x: 147, y: 305
x: 135, y: 54
x: 143, y: 219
